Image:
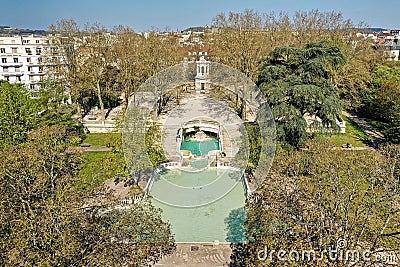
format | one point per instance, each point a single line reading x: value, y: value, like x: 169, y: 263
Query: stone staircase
x: 198, y: 255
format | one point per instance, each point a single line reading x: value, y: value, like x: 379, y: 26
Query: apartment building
x: 21, y: 59
x: 388, y: 41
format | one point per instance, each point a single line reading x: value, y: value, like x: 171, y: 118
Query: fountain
x: 200, y: 135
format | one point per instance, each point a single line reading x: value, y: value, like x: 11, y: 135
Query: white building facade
x: 21, y: 59
x: 202, y: 80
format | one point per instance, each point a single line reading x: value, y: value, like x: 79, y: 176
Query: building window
x: 28, y: 51
x: 2, y: 50
x: 31, y: 78
x: 30, y: 69
x: 29, y: 60
x: 54, y: 50
x: 38, y: 51
x: 4, y: 60
x: 14, y: 50
x: 5, y: 69
x: 40, y: 69
x: 15, y: 60
x: 17, y: 69
x: 31, y: 86
x: 37, y: 41
x: 18, y: 78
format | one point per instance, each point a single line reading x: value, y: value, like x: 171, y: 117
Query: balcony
x: 8, y: 74
x: 11, y: 64
x: 11, y: 54
x: 36, y: 73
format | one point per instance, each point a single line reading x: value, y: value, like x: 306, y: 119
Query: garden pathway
x: 377, y: 138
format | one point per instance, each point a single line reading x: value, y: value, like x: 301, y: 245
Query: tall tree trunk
x: 79, y: 110
x: 103, y: 118
x: 126, y: 98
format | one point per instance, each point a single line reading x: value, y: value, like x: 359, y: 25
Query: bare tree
x: 65, y: 37
x: 314, y: 199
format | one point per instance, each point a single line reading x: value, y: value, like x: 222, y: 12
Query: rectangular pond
x: 202, y: 206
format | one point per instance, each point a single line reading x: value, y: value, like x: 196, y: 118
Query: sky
x: 144, y: 15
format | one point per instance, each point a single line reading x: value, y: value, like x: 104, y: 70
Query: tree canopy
x: 17, y: 113
x: 311, y: 199
x: 45, y: 221
x: 97, y: 66
x: 297, y: 83
x: 382, y: 101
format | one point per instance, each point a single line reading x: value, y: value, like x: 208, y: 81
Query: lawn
x: 354, y: 135
x: 99, y: 166
x: 101, y: 139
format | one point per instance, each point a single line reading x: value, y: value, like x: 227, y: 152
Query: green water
x: 199, y: 163
x: 201, y: 206
x: 198, y: 147
x: 183, y: 178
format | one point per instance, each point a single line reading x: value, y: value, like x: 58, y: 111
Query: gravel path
x: 377, y: 138
x: 90, y: 148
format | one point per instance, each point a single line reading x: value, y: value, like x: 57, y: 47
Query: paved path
x: 358, y: 148
x: 200, y: 107
x: 90, y: 148
x: 199, y: 254
x: 377, y: 138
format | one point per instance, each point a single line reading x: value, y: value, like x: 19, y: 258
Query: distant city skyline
x: 179, y: 14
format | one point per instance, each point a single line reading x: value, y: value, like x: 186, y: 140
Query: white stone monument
x: 202, y: 82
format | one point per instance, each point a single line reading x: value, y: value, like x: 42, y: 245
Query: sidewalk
x: 377, y: 138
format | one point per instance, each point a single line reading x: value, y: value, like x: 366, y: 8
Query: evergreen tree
x: 296, y: 83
